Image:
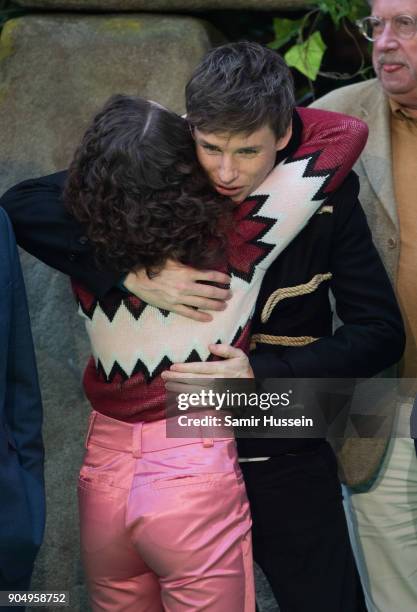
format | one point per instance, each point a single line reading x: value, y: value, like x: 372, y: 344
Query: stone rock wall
x: 165, y: 5
x: 55, y: 72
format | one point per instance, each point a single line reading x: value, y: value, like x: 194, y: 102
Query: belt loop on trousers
x: 137, y: 440
x: 90, y: 427
x: 207, y: 442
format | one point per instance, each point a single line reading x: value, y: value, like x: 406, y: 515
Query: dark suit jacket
x: 22, y: 507
x: 334, y: 255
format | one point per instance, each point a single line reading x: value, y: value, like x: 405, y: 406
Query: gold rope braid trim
x: 325, y: 209
x: 281, y: 340
x: 286, y: 292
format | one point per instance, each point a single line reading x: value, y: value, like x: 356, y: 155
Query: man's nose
x: 227, y: 170
x: 388, y: 40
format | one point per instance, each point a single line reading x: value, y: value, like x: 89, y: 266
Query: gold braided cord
x: 325, y: 209
x: 286, y: 292
x: 281, y: 340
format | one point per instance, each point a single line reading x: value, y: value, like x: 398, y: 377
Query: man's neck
x: 409, y: 108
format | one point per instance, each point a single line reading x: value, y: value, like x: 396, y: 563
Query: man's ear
x: 282, y: 142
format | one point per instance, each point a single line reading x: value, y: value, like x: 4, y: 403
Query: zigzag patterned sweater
x: 133, y: 342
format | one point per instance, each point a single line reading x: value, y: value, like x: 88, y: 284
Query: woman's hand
x: 178, y: 288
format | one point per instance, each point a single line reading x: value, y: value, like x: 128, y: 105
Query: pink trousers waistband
x: 138, y: 438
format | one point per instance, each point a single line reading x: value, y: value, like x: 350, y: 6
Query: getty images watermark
x: 287, y: 408
x: 224, y: 406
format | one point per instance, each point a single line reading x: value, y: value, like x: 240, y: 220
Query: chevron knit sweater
x: 133, y: 342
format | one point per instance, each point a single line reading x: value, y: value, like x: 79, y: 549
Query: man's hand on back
x: 178, y: 288
x: 233, y: 364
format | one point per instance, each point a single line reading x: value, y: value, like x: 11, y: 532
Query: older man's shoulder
x: 349, y: 99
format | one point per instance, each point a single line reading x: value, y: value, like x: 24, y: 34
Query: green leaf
x: 284, y: 29
x: 307, y: 56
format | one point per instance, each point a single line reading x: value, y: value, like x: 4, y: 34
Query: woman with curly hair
x: 165, y: 522
x: 136, y: 168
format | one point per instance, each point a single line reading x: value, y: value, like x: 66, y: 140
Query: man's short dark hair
x: 240, y: 87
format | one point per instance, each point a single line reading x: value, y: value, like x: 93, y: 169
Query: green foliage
x: 285, y: 29
x: 306, y: 54
x: 343, y: 9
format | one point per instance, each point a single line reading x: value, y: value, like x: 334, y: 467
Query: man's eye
x: 210, y: 149
x: 376, y: 26
x: 248, y: 152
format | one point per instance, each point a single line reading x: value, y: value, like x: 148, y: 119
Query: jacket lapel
x: 376, y: 158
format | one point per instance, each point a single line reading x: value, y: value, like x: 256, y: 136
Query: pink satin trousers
x: 165, y: 523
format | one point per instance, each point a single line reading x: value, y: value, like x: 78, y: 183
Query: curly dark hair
x: 136, y: 186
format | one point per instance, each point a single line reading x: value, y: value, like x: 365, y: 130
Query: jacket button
x: 83, y: 240
x: 71, y: 256
x: 392, y: 243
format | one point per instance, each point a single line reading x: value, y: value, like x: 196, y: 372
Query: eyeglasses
x: 404, y: 26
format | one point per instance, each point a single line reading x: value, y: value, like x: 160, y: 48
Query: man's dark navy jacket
x: 22, y: 506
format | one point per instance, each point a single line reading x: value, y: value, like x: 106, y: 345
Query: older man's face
x: 395, y: 58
